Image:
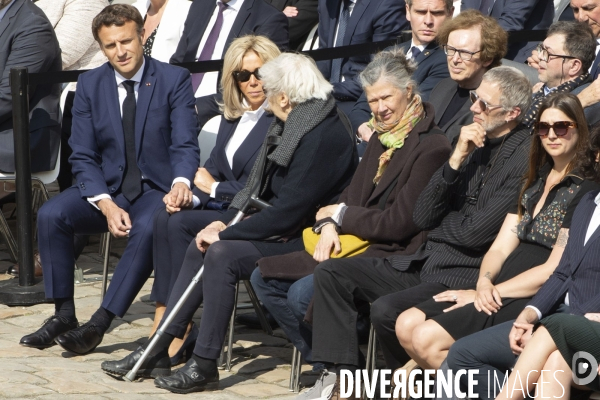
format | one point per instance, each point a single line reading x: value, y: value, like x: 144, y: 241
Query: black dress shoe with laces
x: 81, y: 340
x: 189, y: 378
x: 50, y: 330
x: 154, y: 366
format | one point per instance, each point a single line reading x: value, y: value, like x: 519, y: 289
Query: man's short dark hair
x: 580, y: 41
x: 448, y: 4
x: 118, y: 15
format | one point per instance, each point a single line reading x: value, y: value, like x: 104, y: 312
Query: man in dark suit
x: 572, y: 288
x: 425, y: 19
x: 303, y: 16
x: 470, y: 54
x: 464, y: 205
x: 134, y: 139
x: 212, y: 25
x: 27, y: 39
x: 516, y: 16
x: 346, y: 22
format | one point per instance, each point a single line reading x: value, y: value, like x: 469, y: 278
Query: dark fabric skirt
x: 573, y: 333
x: 467, y: 320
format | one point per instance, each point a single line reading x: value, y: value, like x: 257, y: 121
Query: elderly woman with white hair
x: 312, y: 163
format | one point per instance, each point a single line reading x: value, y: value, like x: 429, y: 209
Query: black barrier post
x: 27, y: 292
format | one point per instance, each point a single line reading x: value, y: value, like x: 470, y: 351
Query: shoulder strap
x: 384, y: 197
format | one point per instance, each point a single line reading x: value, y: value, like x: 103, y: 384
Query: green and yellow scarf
x: 394, y: 138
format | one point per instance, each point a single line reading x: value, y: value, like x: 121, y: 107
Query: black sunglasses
x: 561, y: 128
x: 485, y: 106
x: 244, y: 75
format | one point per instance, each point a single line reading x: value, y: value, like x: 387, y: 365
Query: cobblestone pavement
x: 261, y: 362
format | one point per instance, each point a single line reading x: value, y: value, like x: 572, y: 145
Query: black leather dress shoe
x: 81, y: 340
x: 189, y: 378
x: 153, y: 367
x: 50, y: 330
x: 251, y: 320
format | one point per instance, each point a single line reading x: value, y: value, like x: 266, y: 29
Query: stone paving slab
x: 261, y: 362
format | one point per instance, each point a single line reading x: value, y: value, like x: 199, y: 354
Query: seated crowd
x: 447, y: 189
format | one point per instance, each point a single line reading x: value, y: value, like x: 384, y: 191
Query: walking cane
x: 252, y: 202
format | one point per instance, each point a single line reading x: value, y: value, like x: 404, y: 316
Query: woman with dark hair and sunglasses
x: 528, y: 247
x: 224, y: 174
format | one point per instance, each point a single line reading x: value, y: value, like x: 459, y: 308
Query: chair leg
x: 231, y: 329
x: 8, y: 238
x: 105, y: 238
x: 258, y: 308
x: 371, y: 356
x: 295, y: 371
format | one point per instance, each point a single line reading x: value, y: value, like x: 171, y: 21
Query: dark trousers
x: 338, y: 283
x: 172, y: 236
x: 68, y: 214
x: 225, y: 263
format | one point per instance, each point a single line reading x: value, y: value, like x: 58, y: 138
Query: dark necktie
x: 132, y: 182
x: 209, y: 46
x: 336, y: 64
x: 595, y: 67
x: 415, y: 52
x: 486, y: 6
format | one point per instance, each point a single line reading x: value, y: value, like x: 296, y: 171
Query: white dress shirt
x: 247, y: 123
x: 592, y: 227
x: 350, y: 9
x: 421, y: 47
x: 122, y: 92
x: 597, y: 49
x: 210, y: 80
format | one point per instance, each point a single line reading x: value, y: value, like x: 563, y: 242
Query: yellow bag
x: 351, y: 245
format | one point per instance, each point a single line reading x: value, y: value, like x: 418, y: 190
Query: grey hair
x: 448, y: 5
x: 297, y: 76
x: 515, y: 88
x: 393, y: 67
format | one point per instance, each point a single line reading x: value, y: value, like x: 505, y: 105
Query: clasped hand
x: 326, y: 212
x: 180, y: 197
x: 460, y: 297
x: 488, y: 298
x: 209, y: 235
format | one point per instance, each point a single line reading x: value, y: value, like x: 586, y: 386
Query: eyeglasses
x: 244, y: 75
x: 464, y: 55
x: 545, y: 55
x: 485, y: 106
x: 560, y: 128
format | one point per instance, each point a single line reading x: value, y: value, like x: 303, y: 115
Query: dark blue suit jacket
x: 27, y: 39
x: 432, y: 67
x: 232, y: 180
x: 517, y: 15
x: 371, y: 21
x: 166, y: 129
x: 255, y: 16
x: 578, y: 272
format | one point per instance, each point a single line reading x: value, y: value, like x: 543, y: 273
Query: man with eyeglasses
x: 469, y: 54
x: 564, y: 57
x: 463, y: 207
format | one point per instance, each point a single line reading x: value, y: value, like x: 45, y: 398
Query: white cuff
x: 213, y: 190
x: 196, y: 201
x: 93, y: 200
x: 338, y: 215
x: 181, y: 179
x: 539, y: 314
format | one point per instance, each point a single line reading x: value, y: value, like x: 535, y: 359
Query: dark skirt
x: 467, y: 320
x: 574, y: 333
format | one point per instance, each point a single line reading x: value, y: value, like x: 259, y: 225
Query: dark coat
x: 232, y: 180
x: 321, y: 167
x: 371, y: 21
x: 302, y: 24
x: 578, y: 272
x: 27, y: 39
x: 432, y: 66
x: 392, y: 230
x: 440, y: 99
x: 463, y: 228
x: 518, y: 15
